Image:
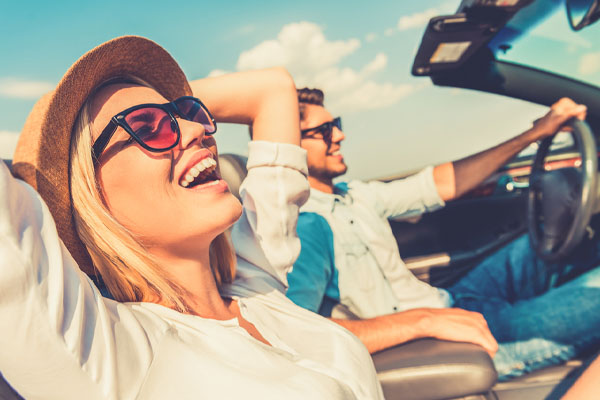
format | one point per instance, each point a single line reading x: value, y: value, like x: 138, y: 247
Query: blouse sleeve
x: 272, y: 193
x: 58, y: 334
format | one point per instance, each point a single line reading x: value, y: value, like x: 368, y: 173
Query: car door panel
x: 441, y: 246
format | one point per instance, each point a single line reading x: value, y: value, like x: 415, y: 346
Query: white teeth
x: 206, y: 163
x: 197, y: 170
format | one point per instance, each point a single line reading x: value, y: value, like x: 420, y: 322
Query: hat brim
x: 42, y: 154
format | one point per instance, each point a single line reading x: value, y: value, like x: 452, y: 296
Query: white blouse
x: 60, y: 339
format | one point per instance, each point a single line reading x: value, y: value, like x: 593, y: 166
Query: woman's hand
x: 266, y: 100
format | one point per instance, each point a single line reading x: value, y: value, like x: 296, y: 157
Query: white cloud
x: 315, y: 61
x: 23, y: 89
x: 421, y: 18
x: 589, y: 63
x: 416, y: 20
x: 301, y: 44
x: 370, y: 37
x: 371, y: 95
x: 8, y: 142
x: 377, y: 64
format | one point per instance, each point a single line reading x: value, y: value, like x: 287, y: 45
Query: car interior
x: 463, y: 51
x: 442, y: 246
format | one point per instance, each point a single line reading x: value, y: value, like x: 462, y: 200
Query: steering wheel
x: 561, y: 202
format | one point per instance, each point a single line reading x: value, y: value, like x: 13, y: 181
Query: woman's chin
x: 227, y: 213
x: 236, y: 210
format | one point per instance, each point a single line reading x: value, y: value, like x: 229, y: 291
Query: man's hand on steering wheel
x: 554, y: 121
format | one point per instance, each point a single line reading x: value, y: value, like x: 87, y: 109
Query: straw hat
x: 42, y: 154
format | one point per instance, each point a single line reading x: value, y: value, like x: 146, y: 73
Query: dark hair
x: 309, y: 96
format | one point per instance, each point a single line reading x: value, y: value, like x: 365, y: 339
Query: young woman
x: 125, y: 160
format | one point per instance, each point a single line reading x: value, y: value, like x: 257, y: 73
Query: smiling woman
x: 124, y: 282
x: 146, y: 213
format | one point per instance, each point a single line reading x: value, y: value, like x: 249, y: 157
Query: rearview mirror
x: 582, y: 13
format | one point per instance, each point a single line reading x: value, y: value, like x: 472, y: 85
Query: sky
x: 360, y: 53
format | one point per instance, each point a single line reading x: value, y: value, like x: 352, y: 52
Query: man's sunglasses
x: 325, y: 130
x: 154, y: 126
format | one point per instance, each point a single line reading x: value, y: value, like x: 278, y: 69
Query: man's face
x: 325, y: 161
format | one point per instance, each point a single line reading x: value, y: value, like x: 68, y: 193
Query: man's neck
x: 323, y: 185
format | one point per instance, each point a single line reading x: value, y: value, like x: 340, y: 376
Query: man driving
x: 350, y: 265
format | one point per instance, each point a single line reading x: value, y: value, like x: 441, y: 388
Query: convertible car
x: 510, y: 48
x: 500, y: 47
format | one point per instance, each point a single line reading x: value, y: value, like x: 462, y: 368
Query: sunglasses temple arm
x: 103, y: 139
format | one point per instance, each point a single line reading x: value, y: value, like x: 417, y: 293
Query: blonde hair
x: 128, y: 270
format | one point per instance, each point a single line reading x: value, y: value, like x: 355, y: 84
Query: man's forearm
x: 454, y: 180
x: 453, y: 324
x: 386, y: 331
x: 471, y: 171
x: 457, y: 178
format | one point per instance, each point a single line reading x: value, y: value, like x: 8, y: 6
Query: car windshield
x: 540, y: 37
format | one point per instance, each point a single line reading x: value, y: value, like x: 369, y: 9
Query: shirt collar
x: 328, y: 201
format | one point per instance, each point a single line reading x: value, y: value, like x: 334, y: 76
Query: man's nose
x: 337, y: 135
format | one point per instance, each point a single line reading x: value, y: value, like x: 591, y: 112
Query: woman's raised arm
x: 58, y: 334
x: 276, y: 184
x: 264, y: 99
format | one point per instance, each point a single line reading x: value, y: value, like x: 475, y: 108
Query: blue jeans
x: 540, y: 314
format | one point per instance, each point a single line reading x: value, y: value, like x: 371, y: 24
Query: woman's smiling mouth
x: 202, y: 172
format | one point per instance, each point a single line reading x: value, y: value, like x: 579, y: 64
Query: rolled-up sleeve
x: 58, y: 334
x: 272, y: 193
x: 407, y: 197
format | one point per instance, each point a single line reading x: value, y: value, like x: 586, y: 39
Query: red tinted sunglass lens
x: 153, y: 126
x: 192, y: 110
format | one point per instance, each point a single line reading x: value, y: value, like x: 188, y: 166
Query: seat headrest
x: 233, y: 171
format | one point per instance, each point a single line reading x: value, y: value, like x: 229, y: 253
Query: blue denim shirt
x: 349, y: 254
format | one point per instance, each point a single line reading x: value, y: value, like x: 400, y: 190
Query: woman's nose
x: 191, y: 132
